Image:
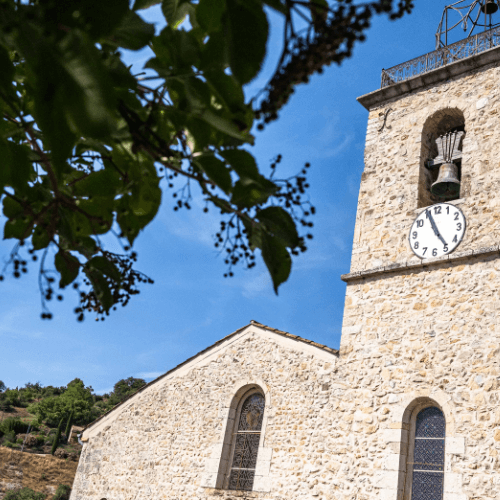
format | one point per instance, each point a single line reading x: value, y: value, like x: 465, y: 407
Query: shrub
x: 40, y: 440
x: 62, y: 493
x: 9, y: 437
x: 15, y: 425
x: 20, y: 441
x: 8, y: 444
x: 24, y: 494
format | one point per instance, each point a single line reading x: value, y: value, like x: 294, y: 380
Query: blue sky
x: 191, y: 305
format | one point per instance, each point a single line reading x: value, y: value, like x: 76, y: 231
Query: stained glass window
x: 246, y: 444
x: 428, y: 456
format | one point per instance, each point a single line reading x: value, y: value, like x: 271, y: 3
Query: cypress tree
x: 57, y: 437
x: 68, y: 425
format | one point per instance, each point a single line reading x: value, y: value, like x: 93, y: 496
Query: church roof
x: 335, y: 352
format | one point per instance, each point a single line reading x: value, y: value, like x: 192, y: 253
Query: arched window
x: 428, y: 455
x: 246, y: 443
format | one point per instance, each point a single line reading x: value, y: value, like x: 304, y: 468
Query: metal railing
x: 442, y: 57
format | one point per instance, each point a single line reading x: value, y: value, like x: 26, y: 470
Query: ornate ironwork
x: 246, y: 444
x: 428, y: 456
x: 468, y: 15
x: 442, y: 57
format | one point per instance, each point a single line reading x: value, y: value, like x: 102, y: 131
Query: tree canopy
x: 91, y: 146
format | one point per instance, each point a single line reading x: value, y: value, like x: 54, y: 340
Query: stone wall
x: 394, y: 156
x: 167, y: 443
x: 42, y: 473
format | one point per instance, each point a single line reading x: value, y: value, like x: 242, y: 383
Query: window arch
x: 246, y: 440
x: 427, y: 457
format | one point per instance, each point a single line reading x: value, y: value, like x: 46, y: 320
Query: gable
x: 249, y: 336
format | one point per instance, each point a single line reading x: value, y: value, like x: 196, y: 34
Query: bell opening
x: 489, y: 7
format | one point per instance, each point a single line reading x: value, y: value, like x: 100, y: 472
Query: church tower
x: 420, y: 349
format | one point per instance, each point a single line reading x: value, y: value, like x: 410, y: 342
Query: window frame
x: 408, y: 486
x: 234, y: 432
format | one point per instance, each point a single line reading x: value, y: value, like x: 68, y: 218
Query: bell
x: 489, y: 7
x: 447, y: 185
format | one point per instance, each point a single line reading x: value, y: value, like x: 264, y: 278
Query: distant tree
x: 87, y: 142
x: 23, y: 494
x: 126, y: 387
x: 57, y: 437
x: 2, y: 386
x: 76, y: 398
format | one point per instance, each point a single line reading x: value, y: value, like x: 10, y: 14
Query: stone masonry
x: 338, y: 426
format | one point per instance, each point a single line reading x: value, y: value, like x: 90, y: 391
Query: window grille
x: 428, y: 456
x: 246, y: 443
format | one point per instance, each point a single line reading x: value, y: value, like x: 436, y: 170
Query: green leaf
x: 175, y: 11
x: 11, y: 208
x: 277, y: 259
x: 40, y: 238
x: 16, y: 167
x: 216, y: 171
x: 248, y: 30
x: 19, y: 229
x: 243, y: 163
x: 105, y: 266
x: 209, y: 14
x: 145, y: 4
x: 68, y: 267
x: 277, y: 5
x: 7, y: 71
x: 101, y: 287
x: 223, y: 124
x: 248, y: 193
x: 86, y: 246
x: 280, y: 224
x: 133, y: 33
x: 104, y: 182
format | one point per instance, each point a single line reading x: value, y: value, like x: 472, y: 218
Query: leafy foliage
x: 2, y: 386
x: 88, y: 146
x: 62, y: 493
x: 126, y: 387
x: 14, y: 425
x: 24, y: 494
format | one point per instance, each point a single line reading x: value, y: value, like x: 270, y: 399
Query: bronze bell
x: 447, y: 185
x: 489, y: 7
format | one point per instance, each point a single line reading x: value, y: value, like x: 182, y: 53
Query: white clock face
x: 437, y: 231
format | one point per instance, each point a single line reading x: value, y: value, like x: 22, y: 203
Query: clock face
x: 437, y: 231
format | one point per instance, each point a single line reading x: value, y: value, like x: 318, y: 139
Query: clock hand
x: 434, y: 227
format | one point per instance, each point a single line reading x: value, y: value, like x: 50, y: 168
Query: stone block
x: 214, y: 464
x: 386, y: 479
x: 262, y: 468
x: 454, y: 496
x: 395, y: 462
x: 455, y: 445
x: 209, y: 480
x: 265, y: 454
x: 351, y: 330
x: 389, y: 494
x: 395, y: 435
x: 452, y: 483
x: 262, y: 484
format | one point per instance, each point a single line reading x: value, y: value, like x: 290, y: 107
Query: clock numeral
x: 445, y: 249
x: 416, y: 245
x: 437, y: 210
x: 425, y: 250
x: 420, y: 223
x: 455, y: 239
x: 447, y: 210
x: 414, y: 235
x: 434, y: 252
x: 456, y: 215
x: 459, y: 226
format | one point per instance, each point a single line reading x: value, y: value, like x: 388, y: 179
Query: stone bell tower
x: 420, y: 349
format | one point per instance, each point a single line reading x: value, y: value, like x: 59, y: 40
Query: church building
x: 409, y: 407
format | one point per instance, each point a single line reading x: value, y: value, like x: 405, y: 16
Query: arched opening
x: 443, y: 138
x: 246, y: 441
x: 423, y: 478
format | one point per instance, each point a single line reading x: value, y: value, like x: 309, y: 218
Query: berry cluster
x: 330, y: 38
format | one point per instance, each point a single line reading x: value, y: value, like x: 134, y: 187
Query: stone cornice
x: 441, y: 74
x: 403, y: 267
